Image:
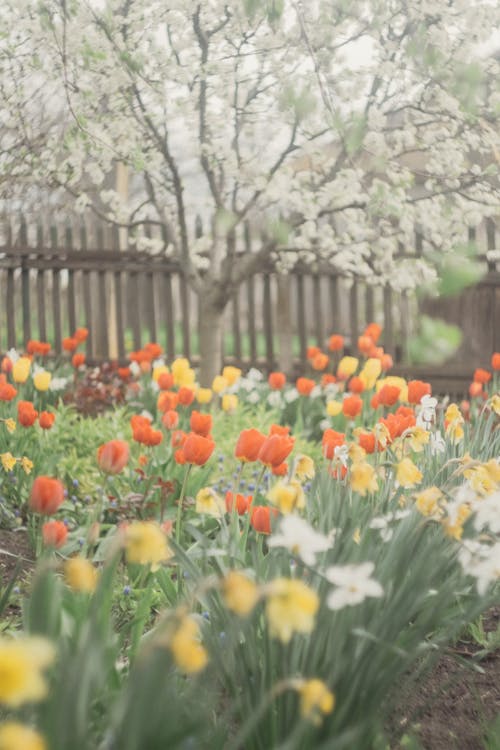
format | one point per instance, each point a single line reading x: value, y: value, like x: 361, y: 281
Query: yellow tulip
x: 41, y: 380
x: 219, y: 384
x: 21, y: 370
x: 333, y: 408
x: 204, y: 395
x: 229, y: 402
x: 347, y: 367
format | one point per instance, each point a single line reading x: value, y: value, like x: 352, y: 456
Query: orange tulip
x: 186, y: 396
x: 7, y: 392
x: 365, y: 345
x: 69, y: 344
x: 201, y: 423
x: 46, y: 419
x: 170, y: 419
x: 112, y: 457
x: 328, y: 379
x: 481, y: 376
x: 54, y: 534
x: 261, y: 518
x: 304, y: 386
x: 373, y: 331
x: 417, y: 389
x: 197, y: 449
x: 386, y: 362
x: 356, y: 385
x: 280, y: 471
x: 475, y: 389
x: 275, y: 449
x: 81, y: 334
x: 388, y: 395
x: 335, y: 343
x: 124, y: 373
x: 279, y: 429
x: 276, y: 380
x: 367, y: 441
x: 495, y: 361
x: 167, y: 400
x: 78, y: 360
x: 320, y: 361
x: 47, y: 494
x: 165, y: 381
x: 249, y: 444
x: 352, y: 405
x: 331, y: 440
x: 178, y: 438
x: 312, y: 351
x: 242, y: 504
x: 26, y: 413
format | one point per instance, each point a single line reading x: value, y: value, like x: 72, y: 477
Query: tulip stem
x: 179, y: 506
x: 259, y: 481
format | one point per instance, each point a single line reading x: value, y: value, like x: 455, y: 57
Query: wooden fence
x: 54, y: 280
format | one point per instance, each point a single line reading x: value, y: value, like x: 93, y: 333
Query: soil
x: 450, y: 709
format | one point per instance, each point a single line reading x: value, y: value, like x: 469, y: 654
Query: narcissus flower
x: 80, y: 575
x: 197, y: 449
x: 427, y: 501
x: 240, y: 593
x: 188, y: 653
x: 407, y: 474
x: 209, y: 502
x: 304, y: 468
x: 47, y: 494
x: 22, y: 661
x: 316, y: 700
x: 27, y: 464
x: 354, y: 584
x: 112, y: 457
x: 287, y: 496
x: 363, y: 478
x: 8, y: 461
x: 300, y: 539
x: 15, y: 736
x: 291, y: 607
x: 54, y: 534
x: 146, y: 544
x: 249, y: 444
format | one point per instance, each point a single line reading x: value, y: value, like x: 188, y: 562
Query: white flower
x: 160, y: 362
x: 135, y: 369
x: 488, y: 514
x: 253, y: 397
x: 487, y: 569
x: 354, y: 584
x: 300, y: 538
x: 331, y: 391
x: 316, y: 392
x: 274, y: 399
x: 147, y: 414
x: 255, y: 375
x: 341, y: 454
x: 437, y: 443
x: 290, y: 395
x: 13, y: 355
x: 58, y: 384
x: 382, y: 524
x: 427, y: 411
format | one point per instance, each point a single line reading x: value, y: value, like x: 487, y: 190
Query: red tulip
x: 46, y: 419
x: 113, y: 456
x: 261, y: 518
x: 249, y: 444
x: 54, y: 534
x: 243, y: 503
x: 197, y: 449
x: 275, y: 449
x: 47, y: 494
x: 201, y: 423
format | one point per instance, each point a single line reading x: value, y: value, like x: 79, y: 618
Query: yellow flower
x: 356, y: 537
x: 347, y: 367
x: 427, y: 501
x: 209, y: 502
x: 204, y: 395
x: 356, y: 453
x: 80, y: 575
x: 240, y: 593
x: 179, y: 365
x: 159, y: 370
x: 291, y: 607
x: 396, y: 381
x: 146, y: 544
x: 333, y: 408
x: 21, y: 663
x: 21, y: 370
x: 315, y: 699
x: 41, y: 380
x: 452, y: 413
x: 10, y: 425
x: 417, y: 438
x: 187, y: 379
x: 363, y: 478
x: 231, y: 374
x: 495, y: 403
x: 8, y: 461
x: 382, y: 434
x: 370, y: 372
x: 287, y: 496
x: 219, y: 384
x: 454, y: 526
x: 229, y: 402
x: 27, y: 464
x: 189, y: 655
x: 407, y: 474
x: 14, y: 736
x: 304, y: 468
x: 485, y: 478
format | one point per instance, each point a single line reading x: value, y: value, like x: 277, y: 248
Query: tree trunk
x: 211, y: 339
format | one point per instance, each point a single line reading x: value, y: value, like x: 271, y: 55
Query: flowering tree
x: 333, y: 127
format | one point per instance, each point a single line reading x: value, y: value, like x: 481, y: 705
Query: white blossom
x: 300, y: 538
x: 354, y: 584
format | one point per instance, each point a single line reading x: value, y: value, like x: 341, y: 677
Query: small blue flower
x: 126, y: 590
x: 75, y: 482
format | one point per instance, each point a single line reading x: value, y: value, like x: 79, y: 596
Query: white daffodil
x: 255, y: 375
x: 341, y: 454
x: 274, y: 399
x: 291, y: 395
x: 297, y: 536
x: 488, y: 514
x: 13, y: 355
x: 437, y: 443
x: 135, y: 369
x: 354, y: 584
x: 427, y: 412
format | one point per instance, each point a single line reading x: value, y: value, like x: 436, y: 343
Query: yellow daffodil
x: 356, y: 453
x: 22, y: 661
x: 80, y: 575
x: 15, y: 736
x: 188, y: 653
x: 407, y: 474
x: 241, y: 594
x: 146, y: 544
x: 27, y: 465
x: 484, y: 478
x: 21, y: 370
x: 454, y: 527
x: 363, y: 478
x: 10, y: 424
x: 291, y: 607
x: 495, y: 403
x: 356, y: 537
x: 287, y: 496
x: 316, y: 700
x: 427, y: 501
x: 417, y: 438
x: 304, y: 468
x: 209, y: 502
x: 8, y: 461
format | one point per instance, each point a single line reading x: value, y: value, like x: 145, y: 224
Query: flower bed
x: 252, y: 565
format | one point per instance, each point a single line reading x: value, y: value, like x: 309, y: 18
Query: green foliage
x: 435, y: 342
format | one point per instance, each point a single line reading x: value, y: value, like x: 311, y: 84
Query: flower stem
x: 179, y: 506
